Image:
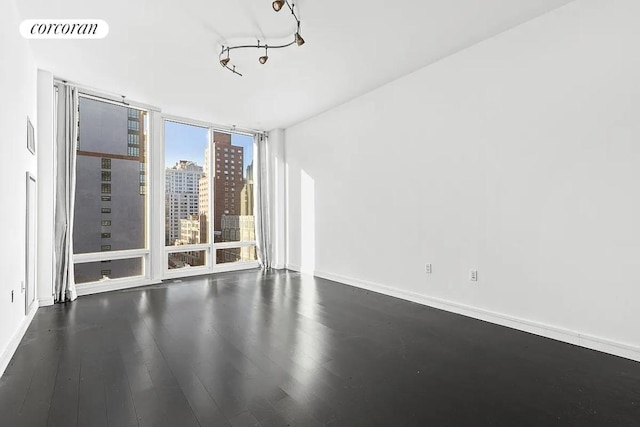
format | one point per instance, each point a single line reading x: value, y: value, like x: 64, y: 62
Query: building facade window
x: 101, y: 125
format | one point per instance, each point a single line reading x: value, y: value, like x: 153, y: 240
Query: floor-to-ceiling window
x: 233, y: 212
x: 208, y: 200
x: 186, y: 209
x: 110, y: 217
x: 207, y: 206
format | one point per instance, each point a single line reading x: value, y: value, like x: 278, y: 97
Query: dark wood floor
x: 280, y: 349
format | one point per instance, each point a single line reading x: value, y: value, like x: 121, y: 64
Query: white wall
x: 46, y: 188
x: 18, y: 88
x: 519, y: 157
x: 276, y: 157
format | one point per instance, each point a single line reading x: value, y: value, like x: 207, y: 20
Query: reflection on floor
x: 282, y: 349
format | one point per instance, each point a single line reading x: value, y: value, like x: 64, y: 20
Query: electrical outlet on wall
x: 427, y: 268
x: 11, y: 295
x: 473, y: 275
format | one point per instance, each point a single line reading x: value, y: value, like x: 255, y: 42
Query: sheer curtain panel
x: 263, y: 203
x: 65, y: 176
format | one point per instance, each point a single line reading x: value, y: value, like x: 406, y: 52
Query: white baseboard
x: 47, y: 301
x: 111, y: 285
x: 627, y: 351
x: 128, y: 283
x: 235, y: 266
x: 293, y: 267
x: 11, y: 348
x: 220, y: 268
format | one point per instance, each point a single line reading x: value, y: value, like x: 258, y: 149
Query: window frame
x: 154, y: 254
x: 109, y: 255
x: 210, y: 248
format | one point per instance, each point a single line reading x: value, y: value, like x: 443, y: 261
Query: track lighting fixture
x: 297, y: 39
x: 225, y: 61
x: 264, y: 58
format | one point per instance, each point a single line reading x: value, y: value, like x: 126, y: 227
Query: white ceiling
x: 165, y: 52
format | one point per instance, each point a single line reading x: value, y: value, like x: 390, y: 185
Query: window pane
x: 247, y: 253
x: 109, y: 205
x: 186, y: 184
x: 233, y: 219
x: 186, y: 259
x: 115, y: 269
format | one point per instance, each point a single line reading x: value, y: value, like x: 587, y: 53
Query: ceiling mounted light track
x: 297, y: 40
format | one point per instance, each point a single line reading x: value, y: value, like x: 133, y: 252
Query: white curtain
x: 65, y: 176
x: 263, y: 203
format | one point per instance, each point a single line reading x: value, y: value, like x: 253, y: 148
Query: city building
x: 190, y: 231
x: 228, y: 181
x: 238, y: 228
x: 111, y: 187
x: 182, y: 187
x: 246, y: 195
x: 203, y: 200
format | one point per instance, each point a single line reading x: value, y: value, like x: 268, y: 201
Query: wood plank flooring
x: 281, y: 349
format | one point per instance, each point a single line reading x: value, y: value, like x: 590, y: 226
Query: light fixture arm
x: 226, y: 49
x: 291, y: 8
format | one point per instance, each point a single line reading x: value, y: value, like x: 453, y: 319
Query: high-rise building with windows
x: 227, y: 200
x: 182, y: 186
x: 190, y: 231
x: 246, y: 222
x: 203, y: 200
x: 111, y: 187
x: 246, y: 195
x: 228, y: 181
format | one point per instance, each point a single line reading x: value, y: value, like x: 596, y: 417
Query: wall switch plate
x: 473, y: 275
x: 427, y: 269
